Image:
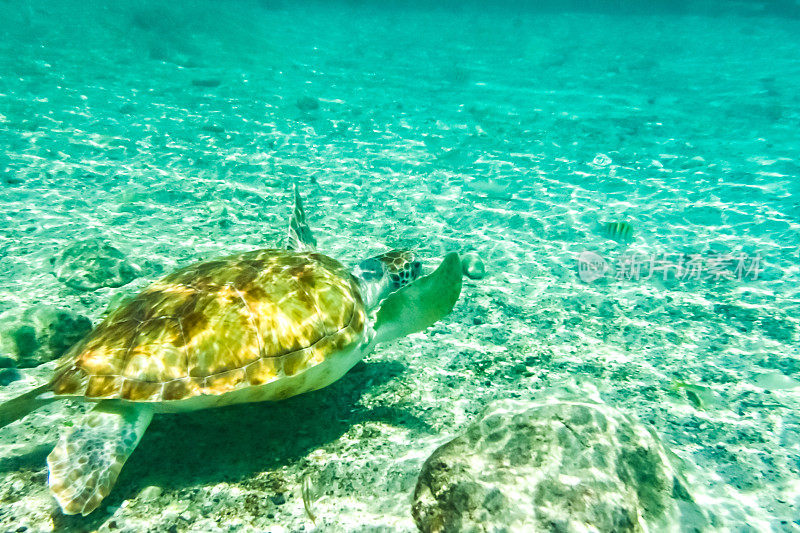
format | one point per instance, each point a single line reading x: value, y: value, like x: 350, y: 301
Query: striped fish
x: 619, y: 231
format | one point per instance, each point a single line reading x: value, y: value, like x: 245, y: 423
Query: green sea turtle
x: 256, y: 326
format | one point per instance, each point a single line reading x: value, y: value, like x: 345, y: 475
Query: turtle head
x: 383, y: 274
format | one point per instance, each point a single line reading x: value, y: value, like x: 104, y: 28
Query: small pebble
x: 472, y: 266
x: 601, y: 160
x: 150, y: 493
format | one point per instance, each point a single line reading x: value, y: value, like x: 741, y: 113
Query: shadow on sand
x: 236, y: 443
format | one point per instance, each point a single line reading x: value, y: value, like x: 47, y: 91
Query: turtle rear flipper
x: 421, y: 303
x: 300, y: 238
x: 85, y: 463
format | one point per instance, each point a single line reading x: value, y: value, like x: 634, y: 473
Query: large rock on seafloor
x: 553, y: 466
x: 39, y: 334
x: 89, y: 264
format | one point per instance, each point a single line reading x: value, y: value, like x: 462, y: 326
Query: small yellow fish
x: 620, y: 231
x: 700, y: 396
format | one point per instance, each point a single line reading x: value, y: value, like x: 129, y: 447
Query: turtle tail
x: 19, y: 406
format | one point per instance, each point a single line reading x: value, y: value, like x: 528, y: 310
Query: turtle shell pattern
x: 218, y: 326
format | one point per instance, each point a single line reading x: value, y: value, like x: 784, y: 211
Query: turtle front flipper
x: 300, y: 238
x: 421, y: 303
x: 85, y: 463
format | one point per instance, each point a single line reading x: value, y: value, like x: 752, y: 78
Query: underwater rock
x: 775, y: 381
x: 307, y: 103
x: 11, y: 179
x: 553, y: 466
x: 89, y: 264
x: 40, y: 334
x: 472, y: 266
x: 9, y: 375
x: 207, y: 82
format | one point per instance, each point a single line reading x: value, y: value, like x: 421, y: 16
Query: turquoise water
x: 175, y: 134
